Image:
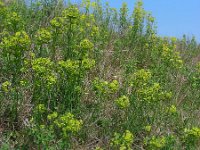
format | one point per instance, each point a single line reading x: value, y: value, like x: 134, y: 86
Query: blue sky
x: 173, y: 17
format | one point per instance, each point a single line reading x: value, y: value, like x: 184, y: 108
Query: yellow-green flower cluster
x: 148, y: 128
x: 140, y: 78
x: 88, y: 63
x: 170, y: 57
x: 69, y: 66
x: 52, y: 116
x: 40, y: 108
x: 105, y: 87
x: 172, y: 109
x: 155, y: 142
x: 146, y: 90
x: 43, y: 36
x: 18, y: 42
x: 95, y: 31
x: 71, y: 12
x: 13, y: 19
x: 153, y: 93
x: 114, y: 86
x: 42, y: 66
x: 67, y: 123
x: 122, y: 141
x: 57, y: 22
x: 122, y: 102
x: 5, y: 86
x: 74, y: 68
x: 193, y: 133
x: 86, y: 45
x: 44, y: 70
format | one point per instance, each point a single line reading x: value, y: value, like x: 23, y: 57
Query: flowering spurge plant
x: 5, y: 87
x: 79, y: 64
x: 170, y: 57
x: 13, y: 21
x: 165, y: 52
x: 43, y: 36
x: 67, y: 124
x: 154, y: 142
x: 73, y: 26
x: 138, y: 21
x: 153, y: 94
x: 122, y: 141
x: 195, y: 77
x: 104, y: 87
x: 16, y: 43
x: 146, y: 91
x: 57, y: 24
x: 172, y: 110
x: 71, y: 13
x: 43, y: 69
x: 122, y: 102
x: 12, y: 50
x: 140, y: 78
x: 41, y: 76
x: 192, y: 135
x: 53, y: 127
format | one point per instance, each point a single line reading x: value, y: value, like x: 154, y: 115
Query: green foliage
x: 87, y: 76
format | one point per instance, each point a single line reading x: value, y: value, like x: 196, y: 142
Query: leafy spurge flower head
x: 44, y: 70
x: 40, y: 108
x: 88, y: 63
x: 170, y: 57
x: 104, y: 87
x: 71, y: 12
x: 122, y: 102
x: 42, y: 66
x: 172, y: 109
x: 123, y: 141
x: 193, y: 133
x: 114, y: 85
x: 69, y: 66
x: 52, y: 116
x: 86, y: 45
x: 67, y: 123
x: 18, y: 42
x: 155, y: 142
x: 148, y: 128
x: 5, y: 86
x: 43, y: 36
x: 153, y: 93
x: 140, y: 77
x: 13, y: 19
x: 57, y: 22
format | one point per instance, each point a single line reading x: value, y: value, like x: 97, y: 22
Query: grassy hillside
x: 88, y: 77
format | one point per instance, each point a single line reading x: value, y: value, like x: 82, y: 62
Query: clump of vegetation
x: 86, y: 76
